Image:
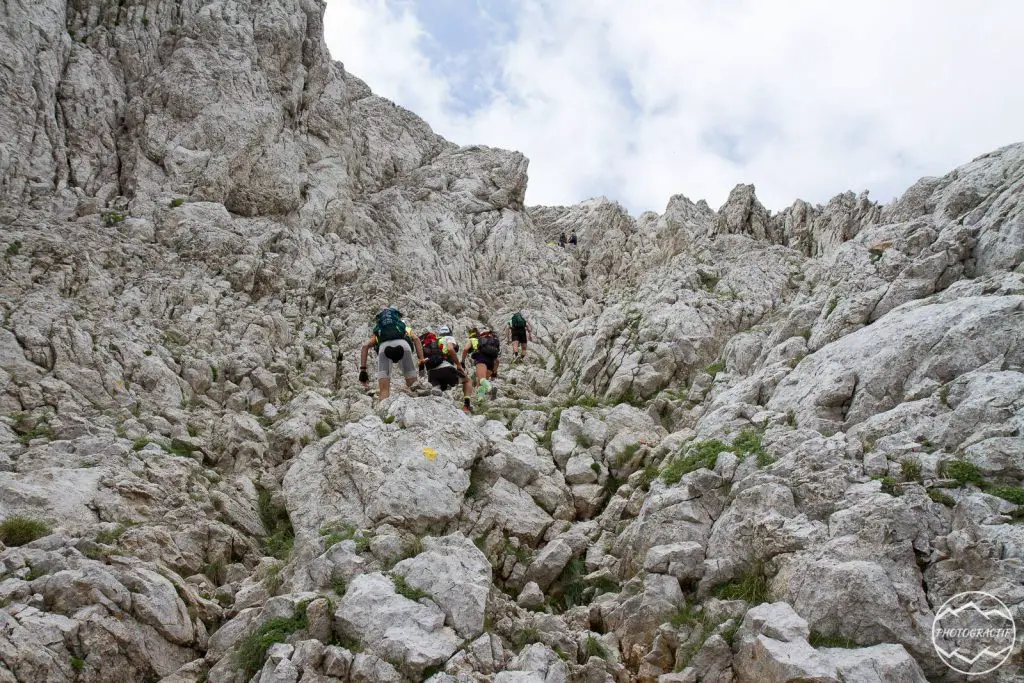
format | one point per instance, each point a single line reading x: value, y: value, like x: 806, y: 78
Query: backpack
x: 518, y: 322
x: 389, y: 325
x: 448, y: 343
x: 432, y: 350
x: 488, y: 344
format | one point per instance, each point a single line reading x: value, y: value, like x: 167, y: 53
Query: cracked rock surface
x: 742, y: 447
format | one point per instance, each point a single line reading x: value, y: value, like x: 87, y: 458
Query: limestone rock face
x: 735, y: 436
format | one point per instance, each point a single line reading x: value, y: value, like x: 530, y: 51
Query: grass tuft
x: 110, y: 537
x: 962, y: 471
x: 749, y: 443
x: 889, y: 486
x: 403, y: 588
x: 751, y: 586
x: 252, y: 650
x: 715, y: 368
x: 18, y: 530
x: 943, y: 498
x: 568, y: 590
x: 280, y: 534
x: 820, y: 640
x: 595, y: 648
x: 1014, y: 494
x: 694, y: 457
x: 910, y: 468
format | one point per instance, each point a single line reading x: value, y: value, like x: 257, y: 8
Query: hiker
x: 445, y: 336
x: 442, y: 361
x: 572, y: 238
x: 394, y: 342
x: 561, y: 240
x: 484, y: 348
x: 518, y: 332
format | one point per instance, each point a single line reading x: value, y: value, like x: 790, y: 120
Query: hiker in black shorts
x: 443, y: 368
x: 484, y: 348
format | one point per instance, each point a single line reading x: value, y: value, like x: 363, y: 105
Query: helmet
x: 473, y: 332
x: 444, y: 329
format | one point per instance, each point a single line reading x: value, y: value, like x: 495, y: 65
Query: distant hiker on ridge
x: 561, y: 240
x: 518, y: 332
x: 394, y: 342
x: 572, y: 238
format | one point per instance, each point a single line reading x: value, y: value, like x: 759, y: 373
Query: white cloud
x: 646, y: 99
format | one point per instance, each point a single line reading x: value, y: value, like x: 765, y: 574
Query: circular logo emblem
x: 973, y: 633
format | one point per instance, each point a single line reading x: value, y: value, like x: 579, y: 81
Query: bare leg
x: 384, y: 387
x: 481, y: 372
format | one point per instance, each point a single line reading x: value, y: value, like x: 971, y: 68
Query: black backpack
x: 489, y: 344
x: 518, y: 322
x: 389, y: 325
x: 432, y: 352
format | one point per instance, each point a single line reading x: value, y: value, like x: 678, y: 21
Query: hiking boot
x: 494, y: 393
x: 467, y: 410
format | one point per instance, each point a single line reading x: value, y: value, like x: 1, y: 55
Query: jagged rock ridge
x: 740, y: 439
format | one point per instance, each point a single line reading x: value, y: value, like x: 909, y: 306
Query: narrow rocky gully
x: 744, y: 446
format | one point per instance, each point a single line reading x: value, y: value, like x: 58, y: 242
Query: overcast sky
x: 644, y: 99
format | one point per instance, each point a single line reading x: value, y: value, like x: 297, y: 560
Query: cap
x: 444, y: 329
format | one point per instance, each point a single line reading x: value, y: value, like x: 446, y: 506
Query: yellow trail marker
x: 429, y: 453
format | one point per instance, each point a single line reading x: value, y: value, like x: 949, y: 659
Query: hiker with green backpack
x: 394, y: 342
x: 518, y: 332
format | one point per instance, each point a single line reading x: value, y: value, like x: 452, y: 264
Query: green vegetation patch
x: 962, y: 471
x: 751, y: 586
x: 18, y: 530
x: 910, y: 468
x: 694, y: 457
x: 820, y: 640
x: 403, y: 588
x: 1014, y: 494
x: 280, y: 534
x: 252, y: 650
x: 941, y: 497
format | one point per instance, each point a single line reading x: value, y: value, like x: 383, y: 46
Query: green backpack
x: 518, y: 322
x: 389, y: 325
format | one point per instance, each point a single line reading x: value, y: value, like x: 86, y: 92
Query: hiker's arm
x: 419, y: 349
x: 453, y: 358
x: 529, y: 331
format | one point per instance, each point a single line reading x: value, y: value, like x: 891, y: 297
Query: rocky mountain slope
x: 745, y: 447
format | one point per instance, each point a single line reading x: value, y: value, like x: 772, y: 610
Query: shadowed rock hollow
x: 744, y: 446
